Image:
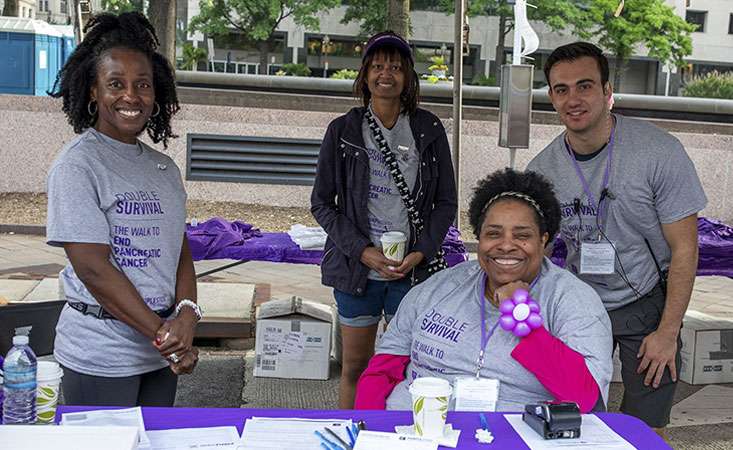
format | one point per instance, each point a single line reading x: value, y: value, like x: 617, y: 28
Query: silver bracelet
x: 191, y: 304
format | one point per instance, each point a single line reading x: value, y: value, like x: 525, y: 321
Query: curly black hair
x: 531, y: 184
x: 102, y: 33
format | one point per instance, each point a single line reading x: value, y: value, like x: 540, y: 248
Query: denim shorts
x: 366, y: 310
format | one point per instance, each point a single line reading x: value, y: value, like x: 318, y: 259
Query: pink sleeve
x: 559, y: 368
x: 382, y: 374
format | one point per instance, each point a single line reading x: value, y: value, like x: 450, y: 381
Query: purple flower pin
x: 520, y: 314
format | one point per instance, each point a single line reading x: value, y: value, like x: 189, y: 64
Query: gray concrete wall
x: 33, y: 130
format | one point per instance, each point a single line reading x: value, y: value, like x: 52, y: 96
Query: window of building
x: 334, y: 47
x: 64, y: 7
x: 730, y: 24
x: 697, y: 18
x: 22, y: 11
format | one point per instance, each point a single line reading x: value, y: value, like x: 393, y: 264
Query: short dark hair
x: 104, y: 32
x: 410, y: 96
x: 530, y: 184
x: 571, y: 52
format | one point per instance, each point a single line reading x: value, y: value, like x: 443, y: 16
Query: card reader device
x: 553, y: 420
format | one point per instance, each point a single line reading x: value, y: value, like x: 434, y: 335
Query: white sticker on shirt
x: 476, y: 394
x: 597, y: 258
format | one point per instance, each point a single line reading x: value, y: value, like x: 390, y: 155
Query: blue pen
x: 331, y: 445
x: 484, y: 422
x: 352, y: 438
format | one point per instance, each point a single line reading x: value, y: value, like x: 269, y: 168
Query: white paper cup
x: 48, y: 381
x: 430, y: 398
x: 393, y: 245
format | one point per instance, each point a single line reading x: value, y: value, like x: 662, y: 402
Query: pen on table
x: 331, y: 445
x: 353, y: 432
x: 338, y: 439
x: 361, y: 425
x: 484, y: 422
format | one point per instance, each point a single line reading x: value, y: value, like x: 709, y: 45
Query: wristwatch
x: 191, y: 304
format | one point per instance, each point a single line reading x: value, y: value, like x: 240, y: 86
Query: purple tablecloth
x: 220, y: 239
x: 630, y: 428
x: 715, y: 240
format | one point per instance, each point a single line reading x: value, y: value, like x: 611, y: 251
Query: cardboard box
x: 707, y: 349
x: 293, y: 339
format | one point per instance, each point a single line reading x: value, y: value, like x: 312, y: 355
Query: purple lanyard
x: 484, y: 335
x: 606, y: 174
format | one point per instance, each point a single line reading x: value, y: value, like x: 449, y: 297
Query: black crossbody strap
x: 438, y: 263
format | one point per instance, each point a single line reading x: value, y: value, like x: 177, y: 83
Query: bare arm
x: 111, y: 288
x: 658, y: 349
x: 682, y: 239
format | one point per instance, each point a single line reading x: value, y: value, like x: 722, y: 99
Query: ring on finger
x: 173, y: 357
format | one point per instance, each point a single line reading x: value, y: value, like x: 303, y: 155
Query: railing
x: 680, y: 108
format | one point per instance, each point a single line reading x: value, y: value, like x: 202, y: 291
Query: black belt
x: 100, y: 313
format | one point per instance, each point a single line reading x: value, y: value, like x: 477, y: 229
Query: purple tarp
x: 220, y: 239
x: 715, y: 240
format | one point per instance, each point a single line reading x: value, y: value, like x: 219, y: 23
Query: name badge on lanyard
x: 597, y: 258
x: 476, y: 394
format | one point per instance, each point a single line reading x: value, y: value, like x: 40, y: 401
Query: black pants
x: 157, y: 388
x: 631, y: 324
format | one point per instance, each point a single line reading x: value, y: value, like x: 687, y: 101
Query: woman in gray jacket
x: 382, y: 167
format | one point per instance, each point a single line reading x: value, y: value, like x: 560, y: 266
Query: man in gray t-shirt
x: 629, y: 196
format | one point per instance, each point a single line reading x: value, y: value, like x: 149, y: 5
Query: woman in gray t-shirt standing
x: 118, y: 209
x: 382, y: 167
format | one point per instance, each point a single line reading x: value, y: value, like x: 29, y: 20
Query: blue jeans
x: 366, y: 310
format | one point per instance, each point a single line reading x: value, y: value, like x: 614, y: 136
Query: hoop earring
x: 89, y: 108
x: 155, y: 114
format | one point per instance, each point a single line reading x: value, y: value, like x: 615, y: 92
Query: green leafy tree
x: 257, y: 20
x: 650, y: 23
x: 192, y: 55
x: 371, y: 15
x: 558, y: 15
x: 122, y: 6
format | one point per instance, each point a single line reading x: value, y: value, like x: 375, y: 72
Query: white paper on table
x: 379, y: 440
x: 449, y: 438
x: 128, y: 417
x: 593, y: 433
x: 195, y: 438
x: 274, y: 433
x: 34, y: 437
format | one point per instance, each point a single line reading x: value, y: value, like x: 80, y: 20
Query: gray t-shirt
x: 652, y: 181
x: 438, y: 324
x: 131, y: 198
x: 386, y: 210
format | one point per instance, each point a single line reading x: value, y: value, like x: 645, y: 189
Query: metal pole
x: 457, y: 100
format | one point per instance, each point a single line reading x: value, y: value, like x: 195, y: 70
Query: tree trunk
x: 500, y: 49
x: 11, y: 8
x: 162, y: 15
x: 619, y: 68
x: 398, y: 17
x: 264, y: 47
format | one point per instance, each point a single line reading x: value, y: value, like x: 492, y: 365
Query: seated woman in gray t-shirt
x: 118, y: 208
x: 437, y: 331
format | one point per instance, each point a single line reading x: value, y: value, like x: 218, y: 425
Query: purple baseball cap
x: 388, y: 39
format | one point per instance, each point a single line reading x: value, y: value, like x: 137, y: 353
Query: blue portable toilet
x: 68, y: 42
x: 30, y: 56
